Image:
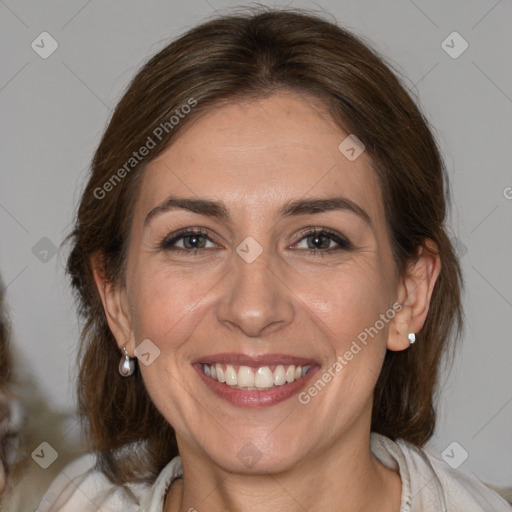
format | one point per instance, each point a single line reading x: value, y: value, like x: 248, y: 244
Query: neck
x: 346, y: 477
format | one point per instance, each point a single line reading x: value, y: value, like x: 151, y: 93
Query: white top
x: 429, y: 484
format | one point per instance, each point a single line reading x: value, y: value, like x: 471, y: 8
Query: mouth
x: 249, y: 378
x: 259, y: 381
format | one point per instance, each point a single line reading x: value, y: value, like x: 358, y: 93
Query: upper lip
x: 235, y: 358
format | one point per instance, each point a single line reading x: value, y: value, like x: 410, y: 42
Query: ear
x: 414, y: 293
x: 115, y: 304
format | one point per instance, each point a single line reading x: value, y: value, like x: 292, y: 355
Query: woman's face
x: 291, y: 264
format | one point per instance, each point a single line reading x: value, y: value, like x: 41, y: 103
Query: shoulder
x: 429, y: 483
x: 81, y: 486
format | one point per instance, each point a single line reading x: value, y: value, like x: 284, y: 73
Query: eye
x: 322, y: 241
x: 187, y: 240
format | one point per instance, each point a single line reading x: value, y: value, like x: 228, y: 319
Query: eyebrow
x: 320, y: 205
x: 296, y: 207
x: 201, y: 206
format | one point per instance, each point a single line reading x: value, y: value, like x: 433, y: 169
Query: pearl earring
x: 126, y: 365
x: 412, y: 337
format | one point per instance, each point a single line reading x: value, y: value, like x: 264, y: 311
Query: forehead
x: 256, y: 155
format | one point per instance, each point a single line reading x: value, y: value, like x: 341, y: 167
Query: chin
x: 262, y: 453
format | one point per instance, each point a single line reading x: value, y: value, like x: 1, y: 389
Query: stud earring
x: 412, y: 337
x: 126, y: 365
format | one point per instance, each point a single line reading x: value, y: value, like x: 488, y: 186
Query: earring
x: 126, y: 365
x: 412, y: 337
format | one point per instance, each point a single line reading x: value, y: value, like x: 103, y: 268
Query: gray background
x: 54, y: 111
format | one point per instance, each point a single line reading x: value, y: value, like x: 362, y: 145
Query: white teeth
x: 220, y: 373
x: 264, y: 378
x: 250, y: 378
x: 230, y: 376
x: 279, y: 375
x: 245, y: 377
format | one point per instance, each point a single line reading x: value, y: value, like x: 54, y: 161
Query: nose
x: 255, y: 300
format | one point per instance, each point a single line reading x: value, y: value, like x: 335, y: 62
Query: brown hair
x: 240, y: 56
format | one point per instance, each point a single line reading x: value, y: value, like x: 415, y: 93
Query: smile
x: 255, y: 380
x: 249, y: 378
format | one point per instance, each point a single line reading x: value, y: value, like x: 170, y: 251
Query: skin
x: 254, y: 157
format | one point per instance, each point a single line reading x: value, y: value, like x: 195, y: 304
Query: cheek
x: 166, y: 304
x: 347, y: 308
x: 167, y: 308
x: 345, y: 301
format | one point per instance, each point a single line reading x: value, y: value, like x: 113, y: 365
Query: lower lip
x: 255, y: 399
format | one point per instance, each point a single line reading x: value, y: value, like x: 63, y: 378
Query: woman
x: 5, y: 413
x: 26, y: 420
x: 10, y: 413
x: 268, y: 289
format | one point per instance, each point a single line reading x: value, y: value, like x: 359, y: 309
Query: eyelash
x: 166, y: 244
x: 343, y: 243
x: 168, y: 241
